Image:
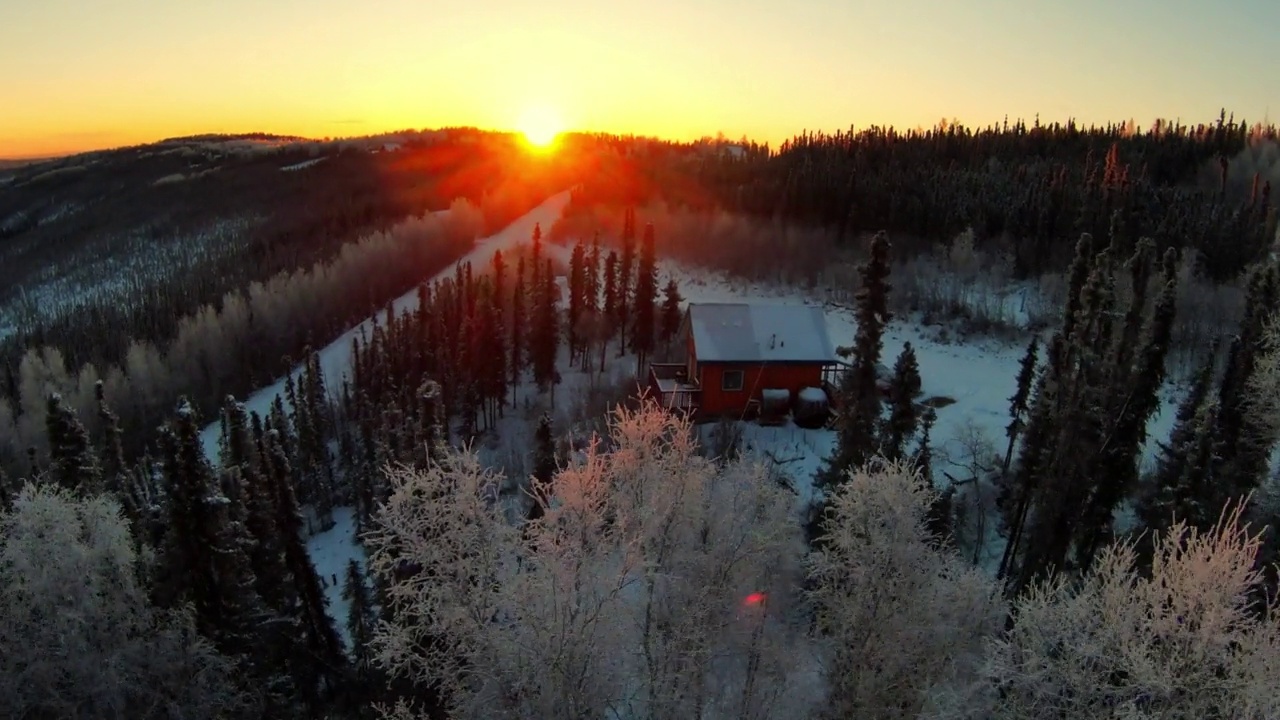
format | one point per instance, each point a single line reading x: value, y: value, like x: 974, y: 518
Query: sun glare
x: 540, y: 127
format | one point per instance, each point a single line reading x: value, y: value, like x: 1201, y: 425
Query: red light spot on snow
x: 754, y: 599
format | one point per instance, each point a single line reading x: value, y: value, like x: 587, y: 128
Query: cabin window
x: 732, y: 381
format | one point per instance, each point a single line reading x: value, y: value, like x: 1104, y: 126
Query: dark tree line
x: 1039, y: 186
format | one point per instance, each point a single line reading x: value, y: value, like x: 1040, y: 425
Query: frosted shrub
x: 1263, y: 400
x: 655, y: 586
x: 901, y: 618
x: 78, y: 638
x: 1182, y: 644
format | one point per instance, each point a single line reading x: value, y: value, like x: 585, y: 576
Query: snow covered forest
x: 417, y: 472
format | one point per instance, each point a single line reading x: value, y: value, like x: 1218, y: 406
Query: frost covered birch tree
x: 900, y: 617
x: 1185, y: 643
x: 654, y: 586
x: 78, y: 636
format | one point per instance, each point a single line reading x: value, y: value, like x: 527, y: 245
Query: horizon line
x: 44, y: 157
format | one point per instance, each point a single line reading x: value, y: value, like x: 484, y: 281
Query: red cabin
x: 735, y: 352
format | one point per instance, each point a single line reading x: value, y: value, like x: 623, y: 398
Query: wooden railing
x: 669, y: 371
x: 670, y: 387
x: 831, y: 377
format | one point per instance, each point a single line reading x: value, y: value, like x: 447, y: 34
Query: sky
x: 88, y: 74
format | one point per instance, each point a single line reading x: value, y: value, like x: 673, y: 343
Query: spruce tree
x: 278, y: 419
x: 1156, y: 504
x: 590, y: 303
x: 206, y: 561
x: 859, y: 394
x: 1246, y: 439
x: 625, y: 265
x: 594, y: 258
x: 594, y: 283
x: 1079, y: 429
x: 518, y: 320
x: 468, y: 400
x: 1187, y: 492
x: 903, y: 418
x: 236, y: 447
x: 923, y: 457
x: 145, y: 502
x: 1007, y: 490
x: 361, y: 617
x: 644, y: 309
x: 671, y: 315
x: 546, y: 336
x: 577, y: 298
x: 324, y: 649
x: 319, y: 409
x: 114, y: 467
x: 7, y: 492
x: 1019, y: 402
x: 275, y: 584
x: 1015, y: 501
x: 535, y: 279
x: 1078, y: 273
x: 1137, y: 379
x: 499, y: 278
x: 494, y: 352
x: 1087, y: 421
x: 72, y: 461
x: 1193, y: 496
x: 431, y: 418
x: 612, y: 313
x: 544, y: 466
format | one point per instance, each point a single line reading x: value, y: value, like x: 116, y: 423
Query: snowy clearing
x: 978, y: 375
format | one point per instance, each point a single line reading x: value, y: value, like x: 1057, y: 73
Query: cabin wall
x: 691, y: 355
x: 756, y: 377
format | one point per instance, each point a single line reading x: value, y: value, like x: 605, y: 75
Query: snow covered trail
x: 335, y: 358
x: 330, y: 552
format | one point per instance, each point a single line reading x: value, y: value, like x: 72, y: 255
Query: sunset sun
x: 540, y: 127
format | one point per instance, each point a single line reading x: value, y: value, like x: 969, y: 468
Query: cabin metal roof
x: 760, y: 333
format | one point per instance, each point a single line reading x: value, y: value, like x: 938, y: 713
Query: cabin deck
x: 672, y: 389
x: 831, y: 376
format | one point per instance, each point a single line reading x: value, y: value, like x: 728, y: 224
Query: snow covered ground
x: 330, y: 551
x: 978, y: 375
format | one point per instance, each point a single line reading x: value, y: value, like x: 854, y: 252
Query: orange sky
x: 83, y: 74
